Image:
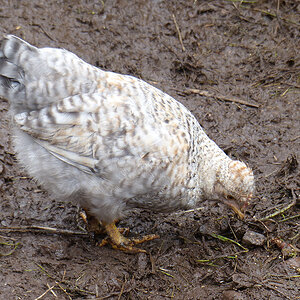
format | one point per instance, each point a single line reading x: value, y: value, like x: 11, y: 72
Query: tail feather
x: 12, y: 49
x: 12, y: 89
x: 10, y: 70
x: 31, y: 78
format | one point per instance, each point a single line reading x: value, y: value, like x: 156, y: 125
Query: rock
x: 232, y: 295
x: 254, y: 238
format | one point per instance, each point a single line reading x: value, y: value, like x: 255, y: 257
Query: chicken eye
x: 229, y: 197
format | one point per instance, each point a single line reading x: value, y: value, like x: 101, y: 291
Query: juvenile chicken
x: 111, y: 142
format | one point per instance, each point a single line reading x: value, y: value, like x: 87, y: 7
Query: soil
x: 236, y: 66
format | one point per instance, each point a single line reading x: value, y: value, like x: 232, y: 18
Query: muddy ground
x: 236, y: 67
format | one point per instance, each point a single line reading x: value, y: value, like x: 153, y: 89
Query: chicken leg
x: 115, y: 235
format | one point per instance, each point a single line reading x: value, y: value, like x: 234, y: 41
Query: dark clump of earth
x: 236, y: 66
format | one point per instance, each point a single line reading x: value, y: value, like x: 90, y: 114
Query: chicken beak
x: 238, y: 208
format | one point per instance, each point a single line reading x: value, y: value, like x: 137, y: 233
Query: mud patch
x: 236, y: 67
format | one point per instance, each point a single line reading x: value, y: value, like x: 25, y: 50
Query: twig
x: 285, y: 92
x: 11, y: 251
x: 205, y: 276
x: 296, y: 236
x: 243, y: 1
x: 153, y: 266
x: 111, y: 295
x: 296, y: 86
x: 231, y: 229
x: 42, y: 229
x: 295, y: 138
x: 44, y: 271
x: 274, y: 171
x: 274, y: 16
x: 278, y: 212
x: 63, y: 290
x: 69, y: 285
x: 41, y: 296
x: 274, y: 79
x: 277, y: 12
x: 289, y: 218
x: 278, y: 291
x: 122, y: 289
x: 53, y: 293
x: 209, y: 261
x: 178, y: 31
x: 188, y: 211
x: 284, y: 276
x: 8, y: 238
x: 45, y: 32
x: 225, y: 239
x: 220, y: 97
x: 165, y: 272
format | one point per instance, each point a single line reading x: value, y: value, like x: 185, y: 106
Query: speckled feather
x: 110, y: 142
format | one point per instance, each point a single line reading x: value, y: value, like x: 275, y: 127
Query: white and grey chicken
x: 111, y: 142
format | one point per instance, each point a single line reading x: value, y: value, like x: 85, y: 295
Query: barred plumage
x: 110, y: 142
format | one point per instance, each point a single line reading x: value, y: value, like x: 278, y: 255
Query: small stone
x: 232, y: 295
x: 142, y: 262
x: 254, y: 238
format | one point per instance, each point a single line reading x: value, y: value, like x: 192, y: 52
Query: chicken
x: 111, y: 142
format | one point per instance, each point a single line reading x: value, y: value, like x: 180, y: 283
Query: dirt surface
x: 236, y: 67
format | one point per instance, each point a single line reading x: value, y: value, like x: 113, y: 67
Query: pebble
x: 232, y: 295
x: 254, y: 238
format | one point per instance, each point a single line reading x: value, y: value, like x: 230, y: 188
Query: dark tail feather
x: 11, y: 74
x: 10, y: 70
x: 12, y: 47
